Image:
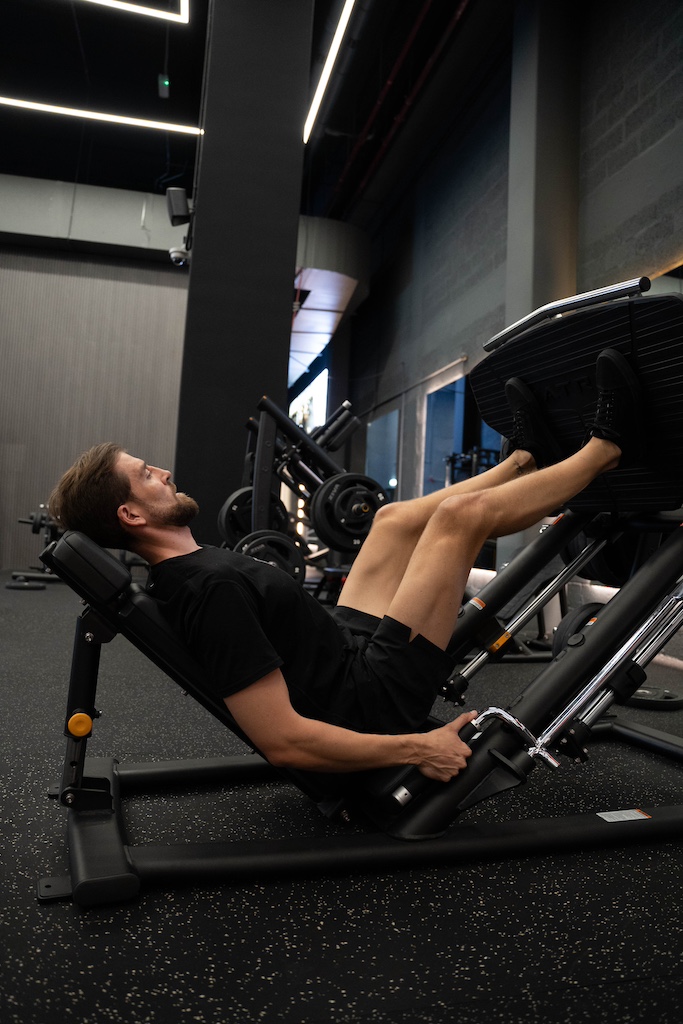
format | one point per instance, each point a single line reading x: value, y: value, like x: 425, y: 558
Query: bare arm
x: 288, y: 740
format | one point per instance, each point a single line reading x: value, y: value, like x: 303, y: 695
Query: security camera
x: 177, y: 206
x: 179, y: 257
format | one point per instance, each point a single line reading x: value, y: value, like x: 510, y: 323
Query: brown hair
x: 88, y: 496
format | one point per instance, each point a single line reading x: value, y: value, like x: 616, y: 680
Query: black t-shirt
x: 242, y: 618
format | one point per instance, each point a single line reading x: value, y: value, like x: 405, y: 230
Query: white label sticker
x: 630, y: 815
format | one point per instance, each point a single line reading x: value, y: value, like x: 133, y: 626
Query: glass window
x: 309, y: 409
x: 381, y: 453
x: 458, y: 444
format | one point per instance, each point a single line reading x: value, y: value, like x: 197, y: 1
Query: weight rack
x: 340, y: 505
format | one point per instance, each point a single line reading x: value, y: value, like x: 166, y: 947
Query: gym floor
x: 574, y: 937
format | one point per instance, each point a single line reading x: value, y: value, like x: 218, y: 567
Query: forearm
x: 288, y: 740
x: 315, y: 746
x: 319, y: 747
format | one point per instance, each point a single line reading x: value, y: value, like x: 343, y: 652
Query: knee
x: 397, y: 517
x: 464, y: 512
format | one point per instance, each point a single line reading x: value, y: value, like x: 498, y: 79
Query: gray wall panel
x: 91, y: 351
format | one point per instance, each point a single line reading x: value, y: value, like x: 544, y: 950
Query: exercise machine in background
x: 338, y: 506
x: 35, y: 578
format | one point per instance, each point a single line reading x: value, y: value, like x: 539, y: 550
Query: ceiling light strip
x: 93, y: 115
x: 183, y: 17
x: 327, y: 68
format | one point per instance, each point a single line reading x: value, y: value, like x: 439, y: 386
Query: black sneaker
x: 529, y: 427
x: 619, y: 412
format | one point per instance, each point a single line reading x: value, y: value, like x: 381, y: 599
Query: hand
x: 444, y: 754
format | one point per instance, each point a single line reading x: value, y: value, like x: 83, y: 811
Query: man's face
x: 156, y: 494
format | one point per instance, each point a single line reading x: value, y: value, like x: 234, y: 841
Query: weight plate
x: 38, y: 520
x: 276, y: 549
x: 342, y: 509
x: 573, y: 622
x: 234, y: 518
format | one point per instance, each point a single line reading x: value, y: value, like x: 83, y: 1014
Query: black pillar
x: 247, y: 202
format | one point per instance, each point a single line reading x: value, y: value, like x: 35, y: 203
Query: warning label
x: 629, y: 815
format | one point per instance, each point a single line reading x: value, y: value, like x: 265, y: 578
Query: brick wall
x: 631, y: 168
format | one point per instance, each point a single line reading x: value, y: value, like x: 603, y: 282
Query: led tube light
x: 93, y: 115
x: 327, y: 68
x: 183, y: 17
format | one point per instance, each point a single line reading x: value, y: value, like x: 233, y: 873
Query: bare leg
x: 429, y: 594
x: 384, y: 557
x: 519, y: 463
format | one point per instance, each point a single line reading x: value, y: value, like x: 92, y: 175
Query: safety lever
x: 535, y: 749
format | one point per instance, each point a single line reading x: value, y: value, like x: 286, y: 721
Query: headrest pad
x: 92, y: 571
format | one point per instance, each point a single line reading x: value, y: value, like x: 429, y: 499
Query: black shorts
x: 389, y: 682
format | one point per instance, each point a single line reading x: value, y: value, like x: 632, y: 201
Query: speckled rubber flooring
x: 588, y: 936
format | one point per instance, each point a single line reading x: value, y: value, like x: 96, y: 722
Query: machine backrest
x: 105, y: 584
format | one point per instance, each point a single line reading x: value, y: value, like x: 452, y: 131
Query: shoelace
x: 604, y: 415
x: 520, y: 424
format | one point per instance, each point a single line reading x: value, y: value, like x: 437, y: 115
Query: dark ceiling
x: 86, y: 56
x: 82, y: 55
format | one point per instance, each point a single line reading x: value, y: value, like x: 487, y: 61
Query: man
x: 351, y: 689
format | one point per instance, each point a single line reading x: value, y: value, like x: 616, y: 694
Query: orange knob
x: 80, y: 724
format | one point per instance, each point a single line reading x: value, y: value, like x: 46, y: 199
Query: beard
x: 180, y: 514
